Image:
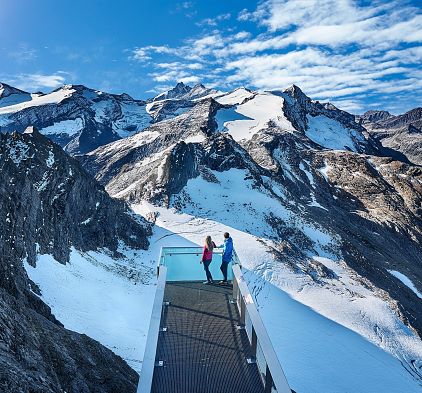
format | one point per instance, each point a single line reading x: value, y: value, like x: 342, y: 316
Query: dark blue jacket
x: 227, y: 250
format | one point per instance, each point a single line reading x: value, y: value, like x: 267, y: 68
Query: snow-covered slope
x: 113, y: 300
x: 55, y: 97
x: 250, y: 114
x: 320, y: 348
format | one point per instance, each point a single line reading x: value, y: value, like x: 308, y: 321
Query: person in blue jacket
x: 227, y: 256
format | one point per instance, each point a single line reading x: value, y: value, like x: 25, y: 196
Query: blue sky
x: 359, y: 55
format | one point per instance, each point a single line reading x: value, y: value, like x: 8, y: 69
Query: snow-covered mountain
x: 326, y: 220
x: 74, y: 116
x: 400, y: 135
x: 315, y: 207
x: 81, y: 119
x: 52, y: 210
x: 10, y: 95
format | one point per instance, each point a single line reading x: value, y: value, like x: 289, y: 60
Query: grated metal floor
x: 202, y: 350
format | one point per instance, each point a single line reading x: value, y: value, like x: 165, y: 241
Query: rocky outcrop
x: 185, y: 92
x: 373, y: 116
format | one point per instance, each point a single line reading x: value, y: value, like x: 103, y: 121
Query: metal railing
x: 264, y: 356
x: 263, y: 351
x: 148, y: 363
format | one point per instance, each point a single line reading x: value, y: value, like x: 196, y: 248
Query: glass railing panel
x: 183, y: 264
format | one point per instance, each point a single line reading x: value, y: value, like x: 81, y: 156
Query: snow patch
x: 69, y: 127
x: 247, y: 119
x: 53, y: 98
x: 50, y: 159
x: 406, y: 281
x: 331, y: 134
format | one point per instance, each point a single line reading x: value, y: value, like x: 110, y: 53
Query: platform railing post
x: 268, y: 381
x: 242, y: 310
x: 254, y: 343
x: 235, y: 289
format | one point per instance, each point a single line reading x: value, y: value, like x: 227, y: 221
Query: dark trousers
x: 223, y: 268
x: 207, y: 269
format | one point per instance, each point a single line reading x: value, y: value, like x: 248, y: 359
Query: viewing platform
x: 206, y: 338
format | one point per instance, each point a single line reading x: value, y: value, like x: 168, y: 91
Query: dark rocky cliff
x: 48, y: 203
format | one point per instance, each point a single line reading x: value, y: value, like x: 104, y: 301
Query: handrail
x: 148, y: 363
x: 274, y: 372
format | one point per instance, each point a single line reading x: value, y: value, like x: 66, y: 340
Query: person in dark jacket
x: 207, y: 258
x: 227, y: 256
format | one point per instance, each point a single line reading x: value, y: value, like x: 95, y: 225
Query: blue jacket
x: 227, y: 250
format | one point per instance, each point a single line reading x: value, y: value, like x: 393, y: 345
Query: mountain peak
x: 295, y: 91
x: 185, y: 92
x: 7, y: 90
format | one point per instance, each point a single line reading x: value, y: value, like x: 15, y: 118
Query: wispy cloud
x: 33, y: 82
x: 343, y: 50
x: 23, y: 53
x: 146, y: 52
x: 214, y: 21
x: 185, y: 7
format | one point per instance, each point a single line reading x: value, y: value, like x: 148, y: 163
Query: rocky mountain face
x: 401, y: 136
x: 49, y: 204
x: 318, y: 166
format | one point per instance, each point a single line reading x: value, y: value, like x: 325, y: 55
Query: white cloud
x: 146, y: 52
x: 34, y: 82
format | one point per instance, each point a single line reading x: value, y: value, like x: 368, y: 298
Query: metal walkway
x: 206, y: 338
x: 201, y: 348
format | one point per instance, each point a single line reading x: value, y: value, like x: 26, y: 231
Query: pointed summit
x: 176, y: 92
x: 296, y: 93
x: 7, y: 90
x: 10, y: 95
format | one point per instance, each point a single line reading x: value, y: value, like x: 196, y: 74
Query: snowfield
x: 69, y: 127
x: 53, y: 98
x: 107, y: 299
x: 246, y: 119
x: 331, y: 134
